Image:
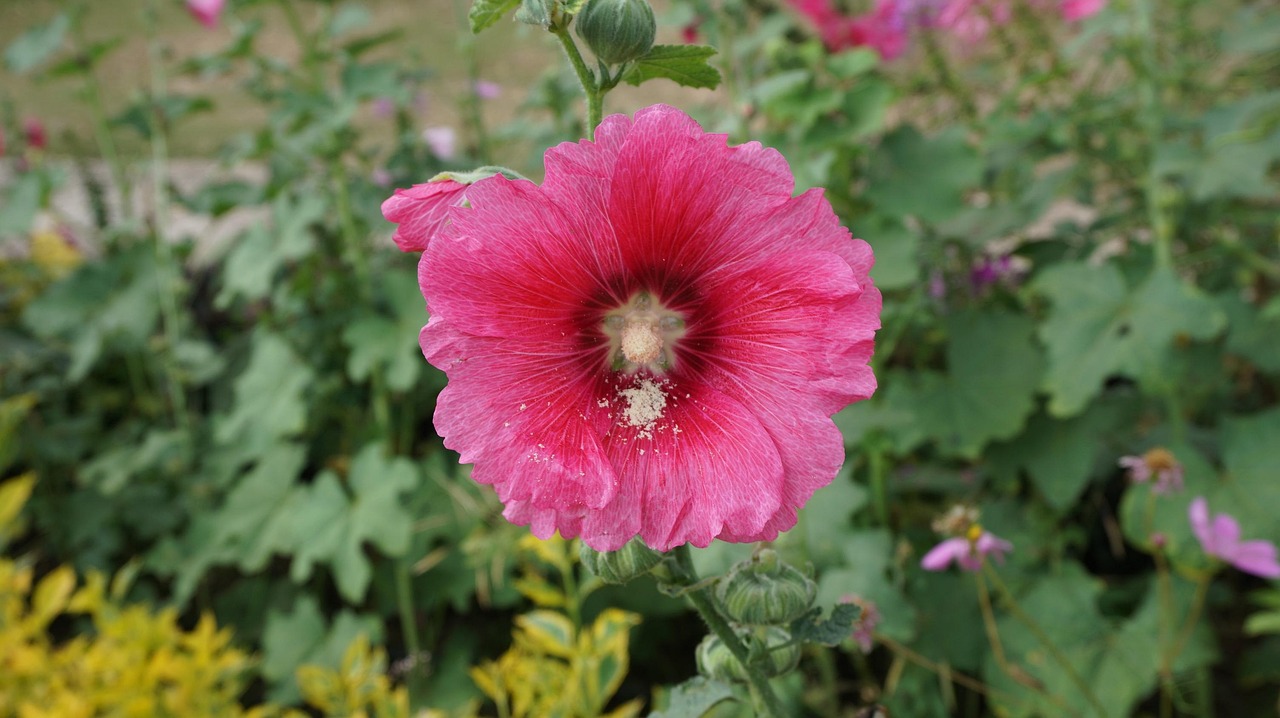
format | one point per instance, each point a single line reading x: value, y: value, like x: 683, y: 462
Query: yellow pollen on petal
x: 641, y: 342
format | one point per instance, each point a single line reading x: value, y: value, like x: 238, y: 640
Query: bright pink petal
x: 988, y: 544
x: 1198, y: 513
x: 421, y: 211
x: 206, y: 12
x: 1226, y: 535
x: 731, y: 436
x: 1076, y: 10
x: 941, y: 556
x: 1256, y: 557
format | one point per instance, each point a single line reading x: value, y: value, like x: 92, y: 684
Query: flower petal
x: 1198, y: 514
x: 1256, y: 557
x: 941, y: 556
x: 421, y: 211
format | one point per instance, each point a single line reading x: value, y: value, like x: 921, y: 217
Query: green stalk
x: 1031, y: 625
x: 703, y: 599
x: 590, y: 86
x: 166, y: 269
x: 102, y: 134
x: 948, y: 78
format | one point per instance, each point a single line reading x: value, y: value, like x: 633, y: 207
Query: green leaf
x: 695, y: 698
x: 20, y: 207
x: 867, y: 558
x: 924, y: 177
x: 349, y: 17
x: 1058, y: 454
x: 484, y: 13
x: 328, y: 526
x: 1120, y: 663
x: 825, y: 522
x: 993, y: 369
x: 1098, y: 328
x: 37, y: 45
x: 268, y: 397
x: 1250, y: 333
x: 252, y: 265
x: 830, y: 631
x: 302, y: 636
x: 897, y: 252
x: 376, y: 341
x: 685, y: 64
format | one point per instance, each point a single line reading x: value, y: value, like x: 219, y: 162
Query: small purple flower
x: 486, y: 90
x: 381, y: 177
x: 937, y: 285
x: 1159, y: 463
x: 442, y: 141
x: 868, y: 619
x: 968, y: 551
x: 1220, y: 537
x: 384, y: 107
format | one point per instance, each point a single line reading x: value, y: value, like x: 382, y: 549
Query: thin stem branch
x: 703, y: 599
x: 590, y: 85
x: 166, y: 268
x: 1038, y: 632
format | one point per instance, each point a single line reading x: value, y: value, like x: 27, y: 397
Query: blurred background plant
x: 211, y: 389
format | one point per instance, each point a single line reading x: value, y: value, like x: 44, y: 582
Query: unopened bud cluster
x: 631, y: 561
x: 762, y: 596
x: 617, y: 31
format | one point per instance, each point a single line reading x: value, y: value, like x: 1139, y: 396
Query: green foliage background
x: 251, y: 435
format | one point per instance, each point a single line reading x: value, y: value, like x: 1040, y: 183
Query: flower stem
x: 1044, y: 639
x: 166, y: 268
x: 948, y: 78
x: 703, y: 599
x: 590, y: 86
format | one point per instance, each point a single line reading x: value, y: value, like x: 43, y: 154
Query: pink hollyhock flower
x: 968, y: 551
x: 689, y: 33
x: 1076, y: 10
x: 34, y: 133
x: 442, y: 141
x: 1220, y: 537
x: 653, y: 341
x: 881, y: 30
x: 421, y: 211
x: 206, y: 11
x: 487, y: 90
x: 1159, y: 463
x: 970, y: 20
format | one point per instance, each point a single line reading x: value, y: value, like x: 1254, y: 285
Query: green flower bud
x: 632, y: 560
x: 617, y: 31
x: 715, y: 660
x: 763, y: 591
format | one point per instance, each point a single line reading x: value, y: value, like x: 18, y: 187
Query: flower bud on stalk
x: 617, y: 31
x: 776, y: 657
x: 763, y: 591
x: 632, y: 560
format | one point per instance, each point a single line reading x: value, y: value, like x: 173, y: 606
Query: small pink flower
x: 384, y: 107
x: 970, y: 20
x: 442, y: 141
x: 689, y: 33
x: 206, y: 11
x: 868, y: 619
x: 421, y: 211
x: 1158, y: 462
x: 1076, y: 10
x: 34, y: 132
x: 487, y: 90
x: 653, y: 341
x: 1220, y: 537
x: 967, y: 551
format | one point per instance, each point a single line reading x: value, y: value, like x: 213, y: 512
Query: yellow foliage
x: 555, y: 669
x: 139, y: 663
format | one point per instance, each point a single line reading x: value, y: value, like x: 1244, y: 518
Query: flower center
x: 642, y: 333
